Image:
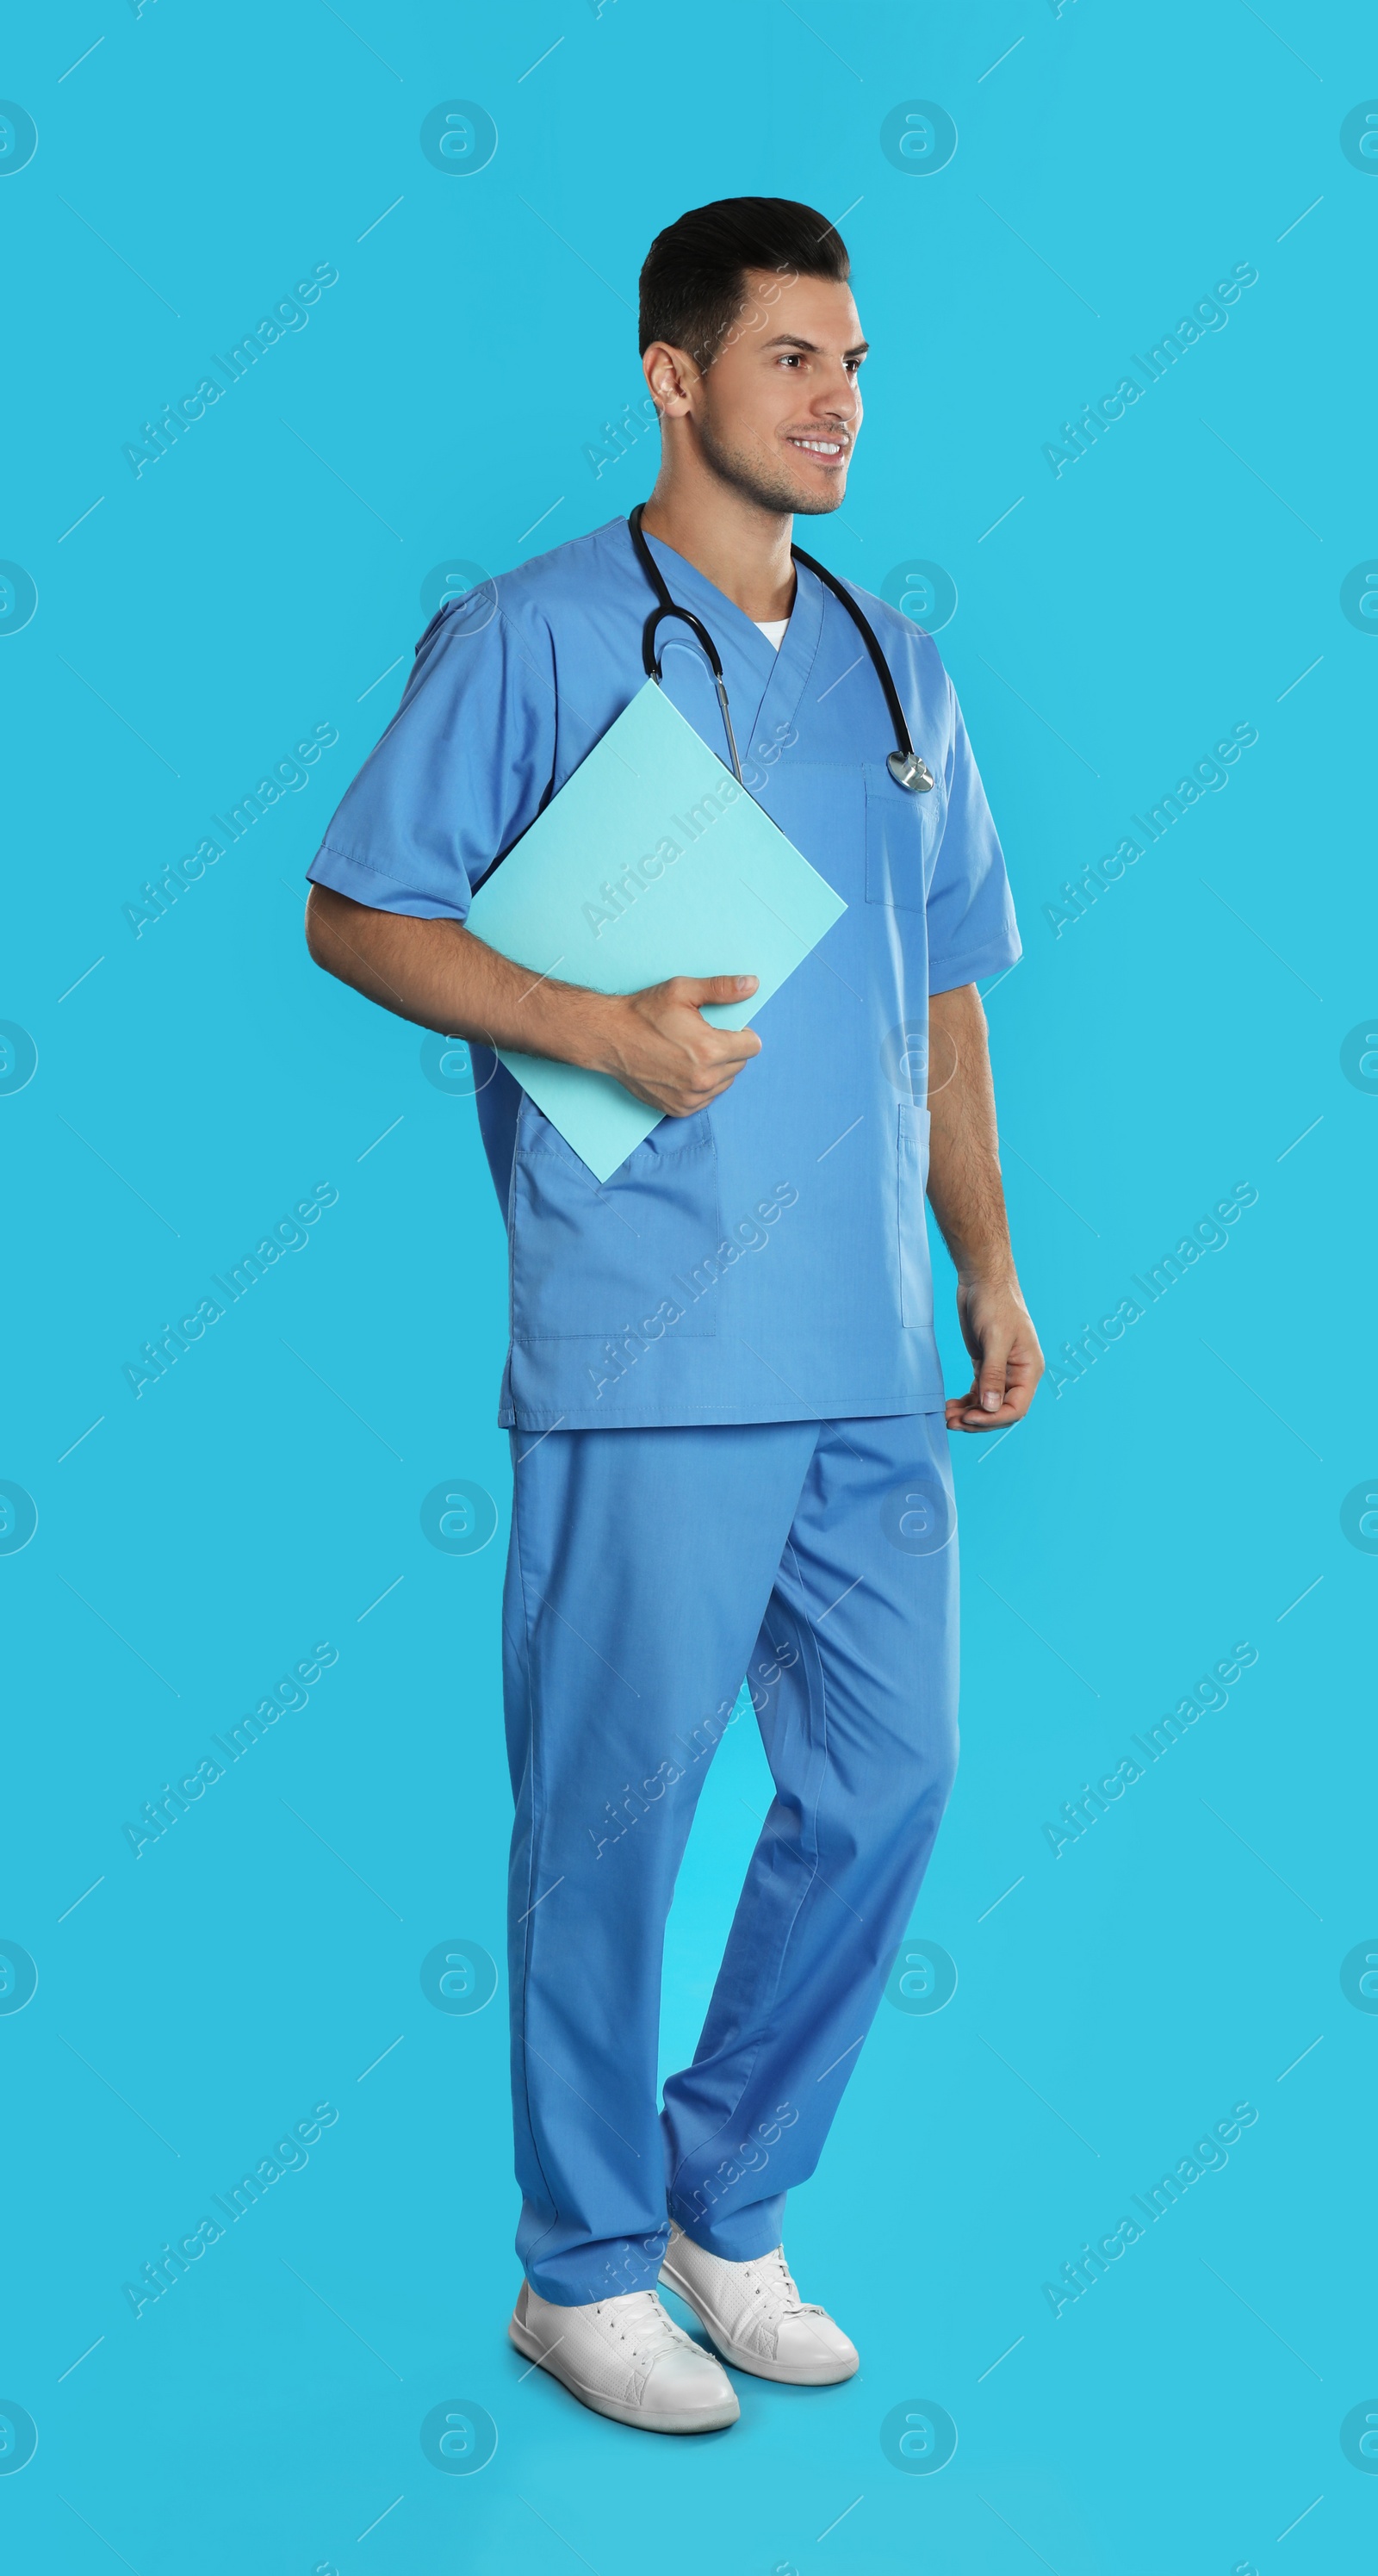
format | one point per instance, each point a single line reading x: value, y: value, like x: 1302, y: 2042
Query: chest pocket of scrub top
x: 611, y: 1257
x: 916, y: 1277
x: 903, y: 828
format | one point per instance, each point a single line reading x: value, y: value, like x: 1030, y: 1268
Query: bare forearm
x: 656, y: 1043
x: 968, y: 1200
x: 438, y: 974
x: 964, y: 1184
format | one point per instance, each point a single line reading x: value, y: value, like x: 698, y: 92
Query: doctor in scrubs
x: 728, y: 1426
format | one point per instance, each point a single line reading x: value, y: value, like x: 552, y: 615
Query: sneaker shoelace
x: 773, y: 2282
x: 639, y: 2320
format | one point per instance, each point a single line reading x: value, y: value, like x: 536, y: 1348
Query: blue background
x: 195, y: 621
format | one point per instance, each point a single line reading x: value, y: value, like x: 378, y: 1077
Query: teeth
x: 819, y: 446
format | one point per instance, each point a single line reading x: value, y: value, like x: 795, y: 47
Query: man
x: 729, y: 1435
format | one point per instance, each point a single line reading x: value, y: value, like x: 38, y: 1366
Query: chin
x: 804, y: 500
x: 768, y: 481
x: 811, y: 497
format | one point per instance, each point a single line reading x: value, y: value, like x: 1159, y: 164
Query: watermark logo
x: 1359, y: 597
x: 918, y: 1516
x: 291, y: 1693
x: 747, y: 2162
x: 18, y: 1977
x: 18, y: 598
x: 919, y: 137
x: 1208, y: 775
x: 1359, y: 1053
x: 904, y: 1059
x: 1206, y: 1696
x: 1359, y: 1516
x: 459, y: 1518
x: 172, y: 2262
x: 18, y: 138
x: 1359, y: 2437
x: 1359, y: 137
x: 18, y: 1056
x: 459, y: 1977
x: 918, y: 2437
x: 18, y: 2436
x: 449, y: 1064
x: 459, y: 137
x: 1359, y: 1977
x: 1077, y: 1358
x: 1209, y: 313
x: 287, y: 776
x: 459, y: 2437
x: 290, y: 314
x: 639, y: 874
x: 472, y: 611
x: 1209, y: 2155
x: 923, y: 1978
x: 618, y: 436
x: 923, y: 592
x: 448, y: 581
x: 18, y: 1518
x: 289, y: 1234
x: 623, y: 1349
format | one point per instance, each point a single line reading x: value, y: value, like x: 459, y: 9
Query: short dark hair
x: 693, y: 284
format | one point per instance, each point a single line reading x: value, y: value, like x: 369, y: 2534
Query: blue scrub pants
x: 649, y: 1571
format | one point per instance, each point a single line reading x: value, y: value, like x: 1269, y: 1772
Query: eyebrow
x: 792, y: 340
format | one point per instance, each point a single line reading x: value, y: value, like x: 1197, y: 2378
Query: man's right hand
x: 660, y: 1048
x: 437, y: 973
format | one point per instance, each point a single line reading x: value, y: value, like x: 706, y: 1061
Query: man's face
x: 778, y: 412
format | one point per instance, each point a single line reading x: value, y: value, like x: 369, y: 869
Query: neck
x: 736, y: 543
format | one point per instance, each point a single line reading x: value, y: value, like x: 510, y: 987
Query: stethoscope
x: 905, y: 766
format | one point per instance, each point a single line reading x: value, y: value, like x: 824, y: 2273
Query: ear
x: 671, y: 376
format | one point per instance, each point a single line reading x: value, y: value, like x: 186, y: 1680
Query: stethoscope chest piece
x: 908, y: 770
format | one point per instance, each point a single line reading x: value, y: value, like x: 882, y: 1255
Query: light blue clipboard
x: 652, y: 861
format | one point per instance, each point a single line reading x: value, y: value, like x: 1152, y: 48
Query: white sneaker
x: 626, y: 2358
x: 756, y: 2317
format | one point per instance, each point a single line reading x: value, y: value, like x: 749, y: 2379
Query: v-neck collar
x: 777, y: 675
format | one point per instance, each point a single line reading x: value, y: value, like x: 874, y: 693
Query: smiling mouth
x: 827, y: 450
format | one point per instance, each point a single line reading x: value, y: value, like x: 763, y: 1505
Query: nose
x: 839, y: 401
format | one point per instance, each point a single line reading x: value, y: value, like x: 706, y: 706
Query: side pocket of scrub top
x: 916, y: 1278
x: 602, y: 1258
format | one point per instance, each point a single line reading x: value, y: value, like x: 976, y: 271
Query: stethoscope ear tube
x: 904, y: 764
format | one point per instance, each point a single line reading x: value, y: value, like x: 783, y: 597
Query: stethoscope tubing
x: 904, y: 764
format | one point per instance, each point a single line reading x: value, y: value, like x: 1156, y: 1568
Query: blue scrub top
x: 767, y: 1259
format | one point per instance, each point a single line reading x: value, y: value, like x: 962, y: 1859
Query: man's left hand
x: 1008, y: 1363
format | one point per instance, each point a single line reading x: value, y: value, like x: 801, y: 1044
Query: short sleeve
x: 462, y: 769
x: 971, y: 924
